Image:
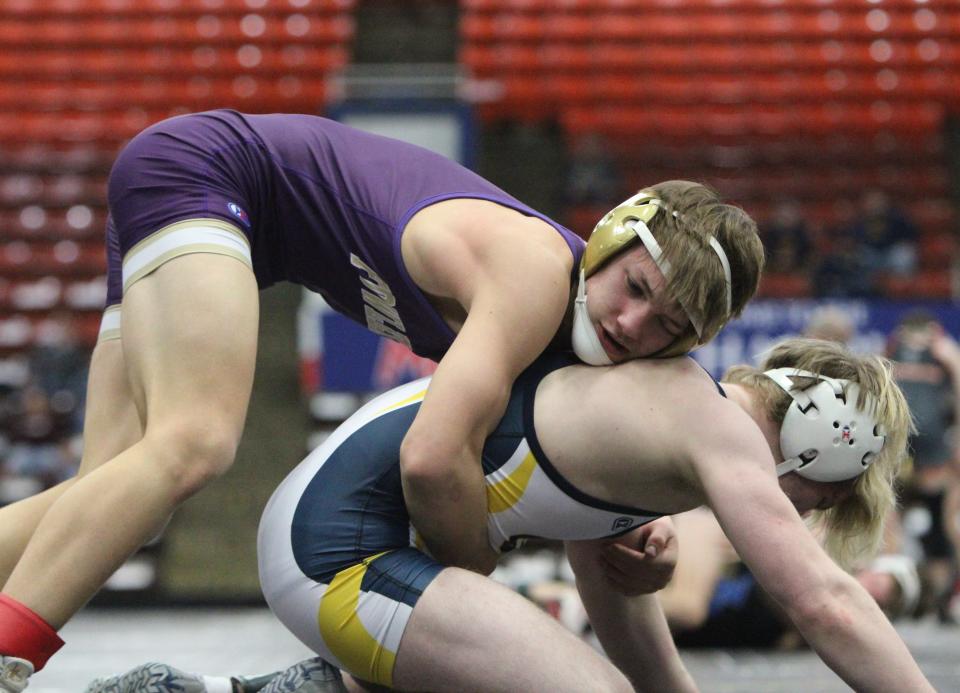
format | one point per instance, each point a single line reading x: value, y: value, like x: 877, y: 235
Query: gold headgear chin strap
x: 620, y: 228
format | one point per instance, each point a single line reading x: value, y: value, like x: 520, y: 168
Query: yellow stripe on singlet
x: 404, y: 402
x: 343, y: 632
x: 507, y: 492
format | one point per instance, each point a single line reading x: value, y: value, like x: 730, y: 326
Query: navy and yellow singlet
x: 339, y: 561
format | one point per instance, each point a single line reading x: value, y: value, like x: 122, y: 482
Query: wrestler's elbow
x: 425, y: 460
x: 825, y: 610
x: 430, y: 458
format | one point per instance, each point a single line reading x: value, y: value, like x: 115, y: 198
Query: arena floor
x: 250, y: 641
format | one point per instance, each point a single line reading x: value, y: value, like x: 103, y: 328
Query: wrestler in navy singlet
x: 320, y: 204
x: 339, y: 563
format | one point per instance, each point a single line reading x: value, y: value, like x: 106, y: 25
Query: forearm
x: 450, y: 515
x: 857, y: 641
x: 440, y: 458
x: 635, y: 636
x: 632, y: 630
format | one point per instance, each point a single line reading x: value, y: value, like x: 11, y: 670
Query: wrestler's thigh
x: 111, y: 422
x: 468, y: 632
x: 189, y: 333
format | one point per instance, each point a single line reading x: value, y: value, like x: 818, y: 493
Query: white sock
x: 217, y: 684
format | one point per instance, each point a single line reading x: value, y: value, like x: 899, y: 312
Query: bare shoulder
x: 689, y: 416
x: 668, y: 383
x: 456, y: 240
x: 641, y: 402
x: 633, y: 433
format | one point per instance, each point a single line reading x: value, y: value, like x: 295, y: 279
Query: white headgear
x: 825, y: 436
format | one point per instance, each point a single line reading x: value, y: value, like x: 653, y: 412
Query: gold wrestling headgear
x: 615, y: 232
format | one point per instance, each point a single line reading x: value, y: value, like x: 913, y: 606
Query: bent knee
x: 192, y: 453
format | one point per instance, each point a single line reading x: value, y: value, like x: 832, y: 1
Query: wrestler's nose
x: 635, y: 323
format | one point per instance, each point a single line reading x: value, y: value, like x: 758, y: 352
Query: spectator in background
x: 41, y: 411
x: 715, y: 601
x: 593, y: 176
x: 58, y: 363
x: 927, y: 368
x: 886, y: 237
x: 830, y: 323
x: 38, y: 437
x: 786, y: 238
x: 843, y: 270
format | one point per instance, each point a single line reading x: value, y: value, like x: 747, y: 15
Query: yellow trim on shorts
x: 345, y: 635
x: 185, y: 249
x: 507, y: 492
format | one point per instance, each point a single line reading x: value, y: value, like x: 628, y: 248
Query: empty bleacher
x: 816, y: 100
x: 78, y: 78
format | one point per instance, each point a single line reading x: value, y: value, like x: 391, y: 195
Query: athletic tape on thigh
x: 182, y: 238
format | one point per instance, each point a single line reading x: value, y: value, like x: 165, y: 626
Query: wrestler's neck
x: 748, y: 400
x: 561, y: 340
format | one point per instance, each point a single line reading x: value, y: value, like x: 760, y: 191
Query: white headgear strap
x: 586, y: 343
x: 656, y: 252
x: 825, y: 436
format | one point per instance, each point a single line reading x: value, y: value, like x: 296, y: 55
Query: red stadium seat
x: 937, y: 250
x: 784, y: 285
x: 926, y: 284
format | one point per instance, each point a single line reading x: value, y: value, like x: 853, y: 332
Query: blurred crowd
x: 878, y: 241
x: 41, y: 411
x: 872, y: 245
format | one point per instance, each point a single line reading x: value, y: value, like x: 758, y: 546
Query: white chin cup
x: 586, y: 343
x: 825, y: 436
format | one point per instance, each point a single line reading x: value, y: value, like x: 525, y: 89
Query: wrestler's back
x: 332, y: 215
x: 639, y: 464
x: 321, y: 204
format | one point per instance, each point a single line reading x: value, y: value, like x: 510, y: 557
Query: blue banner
x: 353, y: 359
x: 765, y: 322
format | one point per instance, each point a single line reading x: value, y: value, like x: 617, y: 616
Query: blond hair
x: 697, y: 281
x: 852, y: 528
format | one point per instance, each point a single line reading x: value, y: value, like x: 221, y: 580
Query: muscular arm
x: 632, y: 630
x: 832, y: 611
x: 513, y: 284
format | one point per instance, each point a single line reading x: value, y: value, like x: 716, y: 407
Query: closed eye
x: 636, y: 289
x: 641, y: 289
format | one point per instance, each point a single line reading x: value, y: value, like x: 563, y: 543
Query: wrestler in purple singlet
x: 322, y: 205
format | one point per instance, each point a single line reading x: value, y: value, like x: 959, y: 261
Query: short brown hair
x: 694, y: 212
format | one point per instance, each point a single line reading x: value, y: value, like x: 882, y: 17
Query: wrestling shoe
x: 242, y: 684
x: 310, y: 676
x: 14, y: 673
x: 159, y: 678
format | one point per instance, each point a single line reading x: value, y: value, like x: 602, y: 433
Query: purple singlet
x: 321, y: 204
